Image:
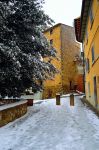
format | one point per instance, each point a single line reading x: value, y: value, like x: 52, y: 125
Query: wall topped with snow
x: 11, y: 112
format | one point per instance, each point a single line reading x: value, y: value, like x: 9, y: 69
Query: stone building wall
x: 69, y: 49
x: 11, y: 112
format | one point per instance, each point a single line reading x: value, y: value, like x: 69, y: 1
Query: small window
x: 93, y: 55
x: 41, y: 83
x: 91, y: 17
x: 51, y: 31
x: 51, y: 41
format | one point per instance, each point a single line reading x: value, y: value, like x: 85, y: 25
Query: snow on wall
x: 11, y: 112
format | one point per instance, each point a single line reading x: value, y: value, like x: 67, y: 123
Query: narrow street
x: 50, y: 127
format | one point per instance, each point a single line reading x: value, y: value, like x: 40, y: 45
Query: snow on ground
x: 50, y: 127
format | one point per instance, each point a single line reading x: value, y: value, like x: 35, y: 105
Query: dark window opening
x: 51, y: 42
x: 93, y: 56
x: 51, y: 31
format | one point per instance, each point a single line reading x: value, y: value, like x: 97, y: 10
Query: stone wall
x: 69, y: 49
x: 10, y: 112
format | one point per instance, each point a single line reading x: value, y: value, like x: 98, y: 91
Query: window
x: 91, y: 17
x: 51, y: 31
x: 93, y: 55
x: 51, y: 41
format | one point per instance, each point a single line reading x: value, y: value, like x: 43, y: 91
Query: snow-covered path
x: 50, y: 127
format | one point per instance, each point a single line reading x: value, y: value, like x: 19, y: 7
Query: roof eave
x: 84, y: 17
x: 77, y: 24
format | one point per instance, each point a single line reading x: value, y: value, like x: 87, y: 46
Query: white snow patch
x: 50, y: 127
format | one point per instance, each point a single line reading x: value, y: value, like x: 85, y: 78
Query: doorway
x: 95, y: 91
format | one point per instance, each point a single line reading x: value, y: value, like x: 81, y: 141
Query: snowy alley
x: 50, y: 127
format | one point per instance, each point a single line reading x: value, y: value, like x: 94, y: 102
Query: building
x: 87, y: 32
x: 80, y: 73
x: 62, y: 38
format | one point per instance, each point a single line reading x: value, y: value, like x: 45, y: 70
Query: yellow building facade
x: 54, y: 85
x: 62, y: 38
x: 89, y: 36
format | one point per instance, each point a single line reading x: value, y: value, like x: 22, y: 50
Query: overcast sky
x: 63, y: 11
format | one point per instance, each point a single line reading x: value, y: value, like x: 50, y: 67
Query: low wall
x: 10, y: 112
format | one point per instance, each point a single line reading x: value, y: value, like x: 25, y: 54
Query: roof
x: 82, y: 21
x: 77, y: 24
x: 58, y: 24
